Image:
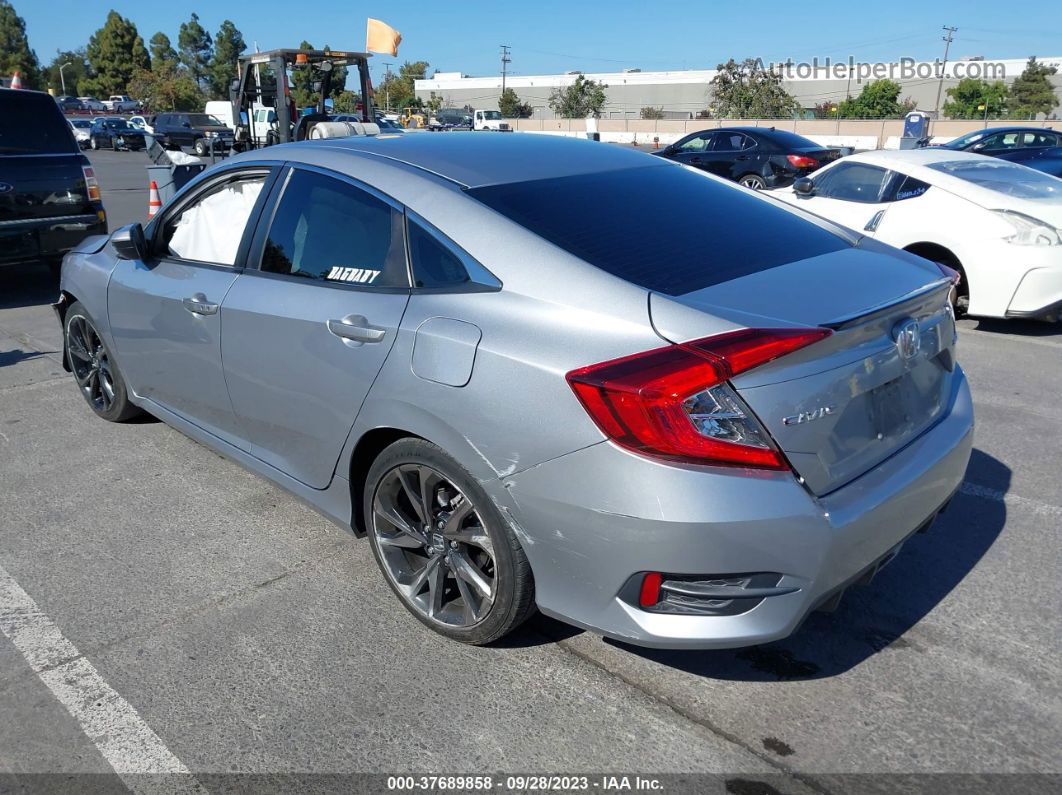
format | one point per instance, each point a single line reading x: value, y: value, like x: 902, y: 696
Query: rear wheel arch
x: 942, y: 254
x: 364, y: 454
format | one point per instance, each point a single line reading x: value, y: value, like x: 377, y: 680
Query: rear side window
x: 439, y: 263
x: 328, y: 230
x: 692, y: 232
x: 31, y: 124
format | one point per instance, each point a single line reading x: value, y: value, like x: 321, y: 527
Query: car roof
x: 990, y: 130
x: 475, y: 159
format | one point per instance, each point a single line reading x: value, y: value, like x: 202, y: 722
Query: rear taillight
x: 675, y: 402
x: 951, y: 274
x: 802, y: 161
x: 91, y: 185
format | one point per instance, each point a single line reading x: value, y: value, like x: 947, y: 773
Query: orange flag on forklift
x: 382, y: 38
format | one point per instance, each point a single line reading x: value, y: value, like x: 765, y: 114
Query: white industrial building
x: 683, y: 94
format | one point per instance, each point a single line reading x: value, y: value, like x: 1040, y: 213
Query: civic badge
x: 908, y: 337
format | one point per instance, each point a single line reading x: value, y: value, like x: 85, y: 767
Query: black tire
x: 201, y: 147
x: 115, y: 407
x: 513, y: 584
x: 752, y: 181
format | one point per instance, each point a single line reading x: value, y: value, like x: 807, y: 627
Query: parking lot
x: 249, y: 635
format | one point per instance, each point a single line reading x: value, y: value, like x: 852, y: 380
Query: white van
x: 265, y: 118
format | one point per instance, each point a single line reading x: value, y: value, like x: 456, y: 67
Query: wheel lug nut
x: 453, y: 545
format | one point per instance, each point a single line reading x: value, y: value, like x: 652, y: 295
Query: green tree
x: 397, y: 87
x: 581, y: 99
x: 303, y: 78
x: 166, y: 86
x: 972, y: 98
x: 72, y: 74
x: 746, y: 90
x: 650, y: 112
x: 1031, y: 93
x: 15, y: 52
x: 228, y: 44
x: 196, y: 48
x: 346, y: 102
x: 879, y: 99
x: 434, y: 103
x: 161, y: 48
x: 115, y: 52
x: 510, y: 106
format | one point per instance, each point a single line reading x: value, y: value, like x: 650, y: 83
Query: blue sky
x: 548, y: 36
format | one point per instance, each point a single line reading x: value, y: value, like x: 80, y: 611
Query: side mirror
x: 129, y: 242
x: 804, y: 186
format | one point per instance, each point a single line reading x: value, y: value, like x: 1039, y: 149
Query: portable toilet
x: 915, y: 130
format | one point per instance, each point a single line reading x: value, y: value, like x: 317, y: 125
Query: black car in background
x: 756, y: 157
x: 70, y: 104
x: 1047, y: 160
x: 197, y: 130
x: 49, y: 198
x: 996, y: 141
x: 114, y: 133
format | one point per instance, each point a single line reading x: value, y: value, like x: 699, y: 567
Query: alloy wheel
x: 434, y: 546
x: 90, y: 362
x: 755, y: 183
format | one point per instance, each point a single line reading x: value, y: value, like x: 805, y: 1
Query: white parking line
x: 114, y: 726
x: 1013, y: 500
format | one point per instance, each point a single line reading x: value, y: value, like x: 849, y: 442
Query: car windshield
x: 31, y: 124
x: 1003, y: 177
x: 687, y: 238
x: 84, y: 124
x: 204, y: 120
x: 491, y: 114
x: 965, y: 140
x: 117, y: 124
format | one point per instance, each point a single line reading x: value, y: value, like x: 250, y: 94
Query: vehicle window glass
x: 790, y: 140
x: 854, y: 182
x: 1003, y: 177
x: 438, y: 262
x: 698, y: 144
x: 689, y: 237
x: 728, y: 142
x: 210, y: 229
x: 329, y: 230
x: 907, y: 188
x: 1038, y: 140
x: 749, y: 143
x: 31, y: 124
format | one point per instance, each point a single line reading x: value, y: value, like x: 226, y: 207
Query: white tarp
x: 210, y: 231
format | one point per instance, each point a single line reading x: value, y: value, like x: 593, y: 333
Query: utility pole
x: 505, y: 61
x: 387, y: 87
x: 947, y: 39
x: 61, y: 79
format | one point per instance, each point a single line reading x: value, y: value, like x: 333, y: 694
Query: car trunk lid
x: 843, y: 405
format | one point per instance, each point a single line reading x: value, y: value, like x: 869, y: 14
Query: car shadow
x: 30, y: 284
x: 1015, y: 327
x: 871, y: 619
x: 17, y: 355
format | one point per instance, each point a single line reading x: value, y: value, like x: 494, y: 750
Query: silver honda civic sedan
x: 542, y: 373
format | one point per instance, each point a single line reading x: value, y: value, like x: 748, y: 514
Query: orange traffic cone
x: 154, y: 203
x: 16, y: 81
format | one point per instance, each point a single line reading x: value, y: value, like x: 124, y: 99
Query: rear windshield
x: 664, y: 228
x: 792, y: 140
x: 31, y: 124
x: 1003, y: 177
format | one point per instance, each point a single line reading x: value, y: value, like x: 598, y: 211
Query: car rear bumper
x: 46, y: 238
x: 593, y: 520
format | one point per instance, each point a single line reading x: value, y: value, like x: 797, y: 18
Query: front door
x: 307, y: 331
x: 694, y: 150
x: 165, y: 310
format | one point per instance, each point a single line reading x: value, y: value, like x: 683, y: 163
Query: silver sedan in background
x: 542, y: 372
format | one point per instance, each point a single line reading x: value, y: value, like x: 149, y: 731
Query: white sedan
x: 998, y: 223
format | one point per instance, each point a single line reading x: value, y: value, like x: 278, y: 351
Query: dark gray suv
x: 195, y: 130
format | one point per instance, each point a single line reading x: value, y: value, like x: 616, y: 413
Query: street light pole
x: 387, y: 86
x: 62, y: 81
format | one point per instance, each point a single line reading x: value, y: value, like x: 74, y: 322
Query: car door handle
x: 356, y: 328
x: 696, y: 160
x: 199, y: 305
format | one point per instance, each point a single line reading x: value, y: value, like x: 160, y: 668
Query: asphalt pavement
x: 209, y: 610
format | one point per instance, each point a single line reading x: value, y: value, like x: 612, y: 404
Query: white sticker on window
x: 355, y: 275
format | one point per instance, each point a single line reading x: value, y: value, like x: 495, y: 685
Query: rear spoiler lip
x: 863, y: 315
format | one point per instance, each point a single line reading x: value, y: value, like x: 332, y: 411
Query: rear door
x: 164, y: 310
x: 730, y: 155
x: 308, y: 329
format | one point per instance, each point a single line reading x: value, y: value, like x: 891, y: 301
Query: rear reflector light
x: 650, y: 592
x: 802, y: 161
x: 952, y: 275
x: 675, y: 402
x: 91, y: 185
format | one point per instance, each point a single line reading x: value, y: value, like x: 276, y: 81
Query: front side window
x: 698, y: 144
x: 211, y: 227
x: 329, y: 230
x: 854, y: 182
